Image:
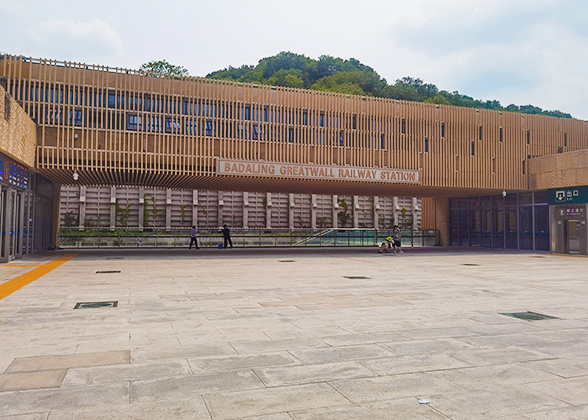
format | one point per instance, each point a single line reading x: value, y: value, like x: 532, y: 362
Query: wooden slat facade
x: 116, y: 126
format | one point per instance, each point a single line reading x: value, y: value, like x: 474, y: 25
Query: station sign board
x: 318, y: 172
x: 571, y: 195
x: 13, y: 172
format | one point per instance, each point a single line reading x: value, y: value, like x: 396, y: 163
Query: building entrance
x: 570, y: 229
x: 572, y: 236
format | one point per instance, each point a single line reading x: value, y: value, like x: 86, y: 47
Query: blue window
x: 341, y: 139
x: 403, y: 126
x: 291, y: 135
x: 78, y: 117
x: 111, y: 99
x: 132, y: 122
x: 209, y: 127
x: 255, y: 132
x: 383, y: 141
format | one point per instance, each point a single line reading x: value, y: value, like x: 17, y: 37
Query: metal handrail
x: 242, y: 238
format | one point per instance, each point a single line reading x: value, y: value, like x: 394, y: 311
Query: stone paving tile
x: 362, y: 338
x: 32, y: 416
x: 496, y: 341
x: 404, y: 409
x: 302, y: 374
x: 413, y: 363
x: 33, y: 401
x: 428, y: 333
x: 265, y: 346
x: 243, y: 404
x: 276, y: 416
x: 482, y: 357
x: 146, y: 353
x: 563, y: 335
x: 182, y: 409
x: 566, y: 368
x: 342, y: 353
x: 496, y: 402
x: 573, y: 390
x: 31, y: 380
x: 183, y: 387
x: 208, y: 364
x: 28, y: 364
x: 568, y: 413
x: 416, y: 385
x: 128, y: 372
x: 495, y: 375
x: 442, y: 345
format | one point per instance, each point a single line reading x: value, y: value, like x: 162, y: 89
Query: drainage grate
x: 107, y: 272
x: 115, y: 258
x: 91, y: 305
x: 529, y: 316
x: 472, y: 265
x: 356, y: 277
x: 538, y: 256
x: 286, y: 261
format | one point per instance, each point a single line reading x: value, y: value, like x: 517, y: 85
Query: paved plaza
x: 294, y: 334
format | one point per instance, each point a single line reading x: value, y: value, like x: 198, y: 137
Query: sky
x: 515, y: 51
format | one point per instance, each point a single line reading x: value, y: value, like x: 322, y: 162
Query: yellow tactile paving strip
x: 16, y: 283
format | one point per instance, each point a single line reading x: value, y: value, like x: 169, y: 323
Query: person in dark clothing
x: 226, y: 236
x: 193, y: 240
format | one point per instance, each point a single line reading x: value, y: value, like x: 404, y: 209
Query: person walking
x: 397, y: 236
x: 226, y: 236
x: 193, y: 239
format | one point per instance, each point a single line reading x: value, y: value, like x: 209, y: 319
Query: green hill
x: 334, y: 74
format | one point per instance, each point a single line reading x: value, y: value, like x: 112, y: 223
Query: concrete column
x: 313, y: 206
x: 268, y: 211
x: 221, y: 203
x: 415, y: 208
x: 291, y: 210
x: 355, y: 210
x: 436, y: 216
x: 335, y: 211
x: 168, y: 202
x: 376, y: 212
x: 245, y: 210
x: 56, y: 216
x: 112, y: 208
x: 82, y: 200
x: 397, y: 211
x: 141, y: 204
x: 195, y: 208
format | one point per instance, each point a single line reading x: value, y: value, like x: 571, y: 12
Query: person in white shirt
x: 193, y: 240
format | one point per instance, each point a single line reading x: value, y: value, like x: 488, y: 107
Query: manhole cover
x: 107, y: 272
x: 356, y: 277
x: 529, y: 316
x: 472, y: 265
x: 90, y: 305
x: 286, y: 261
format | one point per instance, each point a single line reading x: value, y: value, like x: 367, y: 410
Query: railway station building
x: 260, y: 156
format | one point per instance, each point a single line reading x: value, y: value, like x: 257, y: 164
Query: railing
x: 242, y: 238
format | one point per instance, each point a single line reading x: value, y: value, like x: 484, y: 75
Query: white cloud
x: 64, y: 39
x: 10, y: 6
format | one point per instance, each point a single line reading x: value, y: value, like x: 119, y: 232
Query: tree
x: 334, y: 74
x: 160, y: 68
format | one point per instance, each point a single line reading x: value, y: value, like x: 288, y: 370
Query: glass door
x: 572, y: 234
